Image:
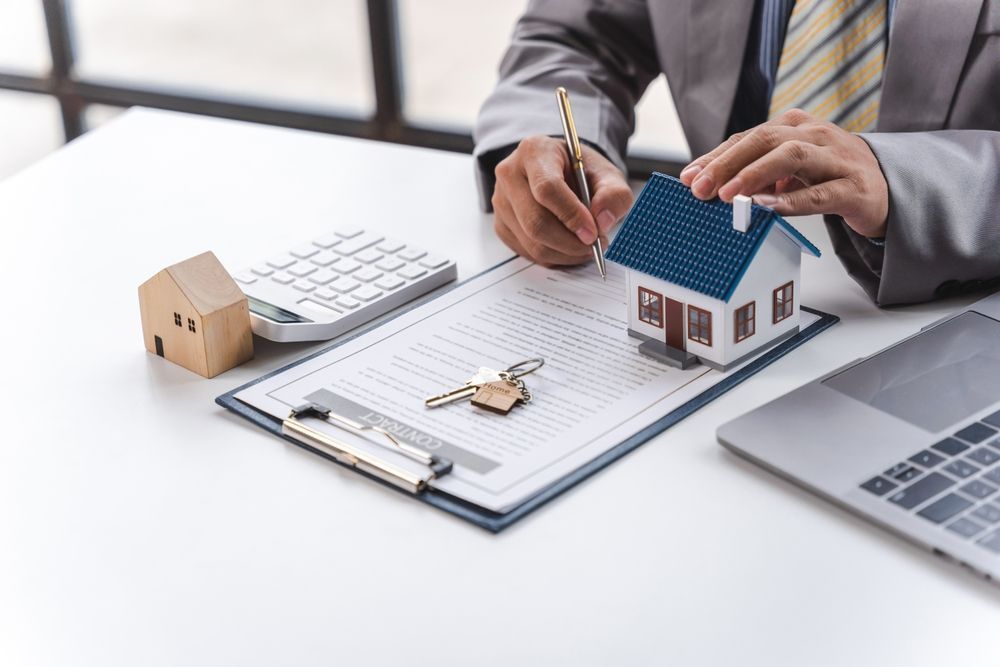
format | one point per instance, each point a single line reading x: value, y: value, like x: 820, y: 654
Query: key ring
x: 517, y: 370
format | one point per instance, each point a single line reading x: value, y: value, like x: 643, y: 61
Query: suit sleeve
x: 601, y: 51
x: 943, y: 232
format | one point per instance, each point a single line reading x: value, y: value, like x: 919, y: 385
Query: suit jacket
x: 937, y: 137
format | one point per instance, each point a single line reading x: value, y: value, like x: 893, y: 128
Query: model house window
x: 700, y: 325
x: 177, y: 319
x: 651, y: 307
x: 783, y: 302
x: 191, y: 326
x: 746, y: 321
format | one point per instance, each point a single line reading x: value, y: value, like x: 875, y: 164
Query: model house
x: 193, y: 314
x: 703, y: 284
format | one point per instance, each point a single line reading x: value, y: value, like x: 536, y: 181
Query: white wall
x: 777, y: 262
x: 637, y: 279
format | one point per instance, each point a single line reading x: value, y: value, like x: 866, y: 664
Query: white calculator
x: 327, y: 286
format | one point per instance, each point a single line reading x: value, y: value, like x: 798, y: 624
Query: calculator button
x: 367, y: 293
x: 367, y: 274
x: 390, y: 282
x: 283, y: 278
x: 303, y: 286
x: 348, y: 232
x: 324, y: 258
x: 262, y: 270
x: 302, y: 269
x: 281, y: 262
x: 351, y: 246
x: 327, y: 241
x: 412, y: 254
x: 433, y: 261
x: 348, y: 302
x: 346, y: 266
x: 325, y: 293
x: 305, y: 251
x: 412, y: 272
x: 369, y: 255
x: 391, y: 264
x: 389, y: 245
x: 323, y: 276
x: 344, y: 285
x: 245, y: 277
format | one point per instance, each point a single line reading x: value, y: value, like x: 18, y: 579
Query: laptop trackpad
x: 934, y: 379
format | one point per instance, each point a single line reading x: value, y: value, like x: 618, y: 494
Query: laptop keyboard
x: 955, y: 483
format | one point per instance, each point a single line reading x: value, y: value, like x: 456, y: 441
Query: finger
x: 612, y: 197
x: 790, y: 118
x: 547, y: 181
x: 503, y: 214
x: 835, y: 196
x: 793, y: 159
x: 539, y: 230
x: 758, y: 142
x: 691, y: 171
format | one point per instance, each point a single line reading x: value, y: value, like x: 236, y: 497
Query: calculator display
x: 273, y: 313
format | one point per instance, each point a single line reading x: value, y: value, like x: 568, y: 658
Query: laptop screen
x: 934, y: 379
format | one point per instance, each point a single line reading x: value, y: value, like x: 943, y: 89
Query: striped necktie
x: 831, y: 63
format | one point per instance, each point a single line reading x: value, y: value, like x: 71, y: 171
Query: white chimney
x: 741, y: 213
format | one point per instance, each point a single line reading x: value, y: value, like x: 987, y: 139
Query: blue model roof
x: 672, y: 235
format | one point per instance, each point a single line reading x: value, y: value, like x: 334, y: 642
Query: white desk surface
x: 140, y: 524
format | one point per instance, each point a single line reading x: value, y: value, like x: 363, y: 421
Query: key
x: 501, y: 396
x: 482, y: 376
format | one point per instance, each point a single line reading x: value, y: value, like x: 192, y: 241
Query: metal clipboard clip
x: 361, y: 459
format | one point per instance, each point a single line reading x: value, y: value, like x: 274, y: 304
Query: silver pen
x: 576, y: 160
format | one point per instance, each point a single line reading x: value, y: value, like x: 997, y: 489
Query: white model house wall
x: 716, y: 307
x: 777, y: 262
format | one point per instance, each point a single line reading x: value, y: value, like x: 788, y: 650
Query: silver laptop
x: 908, y: 437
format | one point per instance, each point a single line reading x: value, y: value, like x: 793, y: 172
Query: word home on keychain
x: 501, y: 396
x: 486, y: 376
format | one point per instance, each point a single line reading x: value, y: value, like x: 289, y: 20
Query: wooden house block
x: 195, y: 315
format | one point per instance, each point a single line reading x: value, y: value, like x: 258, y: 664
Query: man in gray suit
x: 906, y: 167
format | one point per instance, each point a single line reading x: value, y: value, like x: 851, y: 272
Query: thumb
x: 612, y: 197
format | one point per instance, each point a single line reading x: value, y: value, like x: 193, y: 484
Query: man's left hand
x: 797, y: 165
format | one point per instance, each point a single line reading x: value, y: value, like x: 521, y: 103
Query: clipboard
x: 300, y: 428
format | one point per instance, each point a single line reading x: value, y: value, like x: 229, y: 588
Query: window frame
x: 643, y: 291
x: 750, y: 322
x: 386, y: 123
x: 786, y: 302
x: 696, y: 311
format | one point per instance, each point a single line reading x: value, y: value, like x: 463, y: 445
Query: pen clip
x: 569, y: 126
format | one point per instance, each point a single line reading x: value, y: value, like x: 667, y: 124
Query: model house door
x: 674, y: 320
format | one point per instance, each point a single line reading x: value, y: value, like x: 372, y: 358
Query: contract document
x: 594, y: 391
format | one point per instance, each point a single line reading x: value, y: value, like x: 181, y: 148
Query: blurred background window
x: 450, y: 50
x: 313, y: 64
x: 24, y: 47
x: 30, y: 127
x: 309, y: 53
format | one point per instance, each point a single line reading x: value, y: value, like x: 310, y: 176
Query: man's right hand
x: 539, y: 216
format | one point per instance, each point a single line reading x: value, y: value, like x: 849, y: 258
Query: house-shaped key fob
x: 499, y: 397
